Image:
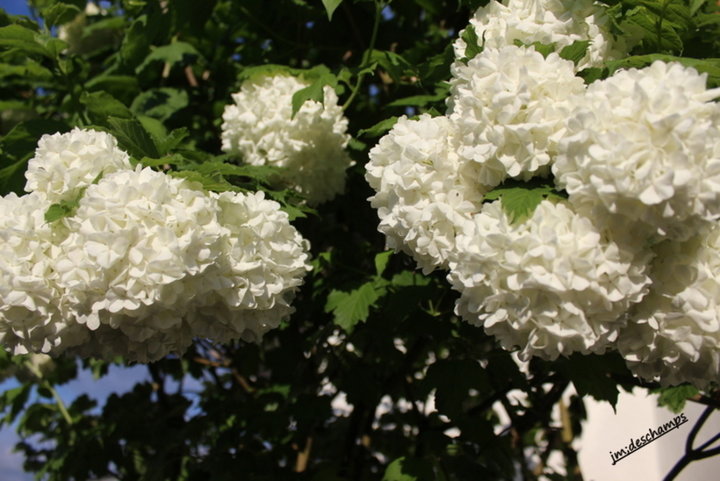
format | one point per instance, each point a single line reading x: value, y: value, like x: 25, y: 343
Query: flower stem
x: 367, y: 55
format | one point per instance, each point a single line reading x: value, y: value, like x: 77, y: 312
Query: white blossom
x: 30, y: 317
x: 262, y: 261
x: 135, y: 240
x: 510, y: 106
x: 311, y: 145
x: 551, y: 284
x: 674, y: 336
x: 65, y: 163
x: 424, y: 195
x: 558, y: 22
x: 644, y: 145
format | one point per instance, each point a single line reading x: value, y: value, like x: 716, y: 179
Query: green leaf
x: 330, y: 6
x: 440, y: 94
x: 12, y: 178
x: 172, y: 140
x: 667, y: 38
x: 136, y: 43
x: 176, y: 52
x: 213, y: 183
x: 381, y: 262
x: 314, y: 91
x: 379, y: 128
x: 29, y: 41
x: 102, y: 105
x: 66, y: 208
x: 122, y: 87
x: 543, y: 49
x: 695, y: 5
x: 453, y: 379
x: 410, y: 469
x: 575, y: 51
x: 352, y: 307
x: 59, y: 14
x: 519, y: 200
x: 674, y: 397
x: 473, y: 44
x: 29, y: 70
x: 592, y: 374
x: 132, y: 137
x: 160, y: 103
x: 710, y: 66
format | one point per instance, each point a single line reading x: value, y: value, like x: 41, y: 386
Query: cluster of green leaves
x: 157, y: 75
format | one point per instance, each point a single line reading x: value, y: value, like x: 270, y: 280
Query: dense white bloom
x: 30, y: 318
x: 559, y: 22
x: 510, y: 106
x: 260, y: 127
x: 65, y: 163
x: 645, y: 145
x: 425, y: 196
x: 262, y: 261
x: 551, y: 284
x: 135, y: 239
x: 675, y: 335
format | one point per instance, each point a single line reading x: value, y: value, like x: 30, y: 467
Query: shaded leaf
x: 352, y: 307
x: 330, y: 6
x: 520, y: 200
x: 409, y: 469
x: 575, y: 51
x: 674, y: 397
x: 379, y: 128
x: 132, y: 137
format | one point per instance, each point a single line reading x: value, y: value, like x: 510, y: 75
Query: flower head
x: 644, y: 145
x: 259, y: 126
x: 674, y: 335
x: 65, y: 163
x: 551, y: 284
x: 551, y: 22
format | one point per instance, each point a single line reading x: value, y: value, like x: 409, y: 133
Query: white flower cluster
x: 551, y: 284
x: 638, y: 155
x: 549, y: 22
x: 675, y: 336
x: 260, y: 127
x: 146, y: 262
x: 644, y: 146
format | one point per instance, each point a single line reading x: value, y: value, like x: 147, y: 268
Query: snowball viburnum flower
x: 65, y: 163
x: 134, y: 240
x: 259, y: 126
x: 263, y: 259
x: 424, y: 195
x: 510, y: 106
x: 30, y: 300
x: 551, y: 284
x: 674, y: 335
x: 644, y: 145
x: 144, y: 264
x: 549, y: 22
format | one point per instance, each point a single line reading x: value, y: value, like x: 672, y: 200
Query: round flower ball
x: 674, y: 336
x: 550, y: 285
x: 66, y: 163
x: 259, y: 126
x: 425, y: 194
x: 134, y: 242
x: 30, y: 301
x: 557, y: 22
x: 644, y: 146
x: 510, y: 105
x: 249, y: 288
